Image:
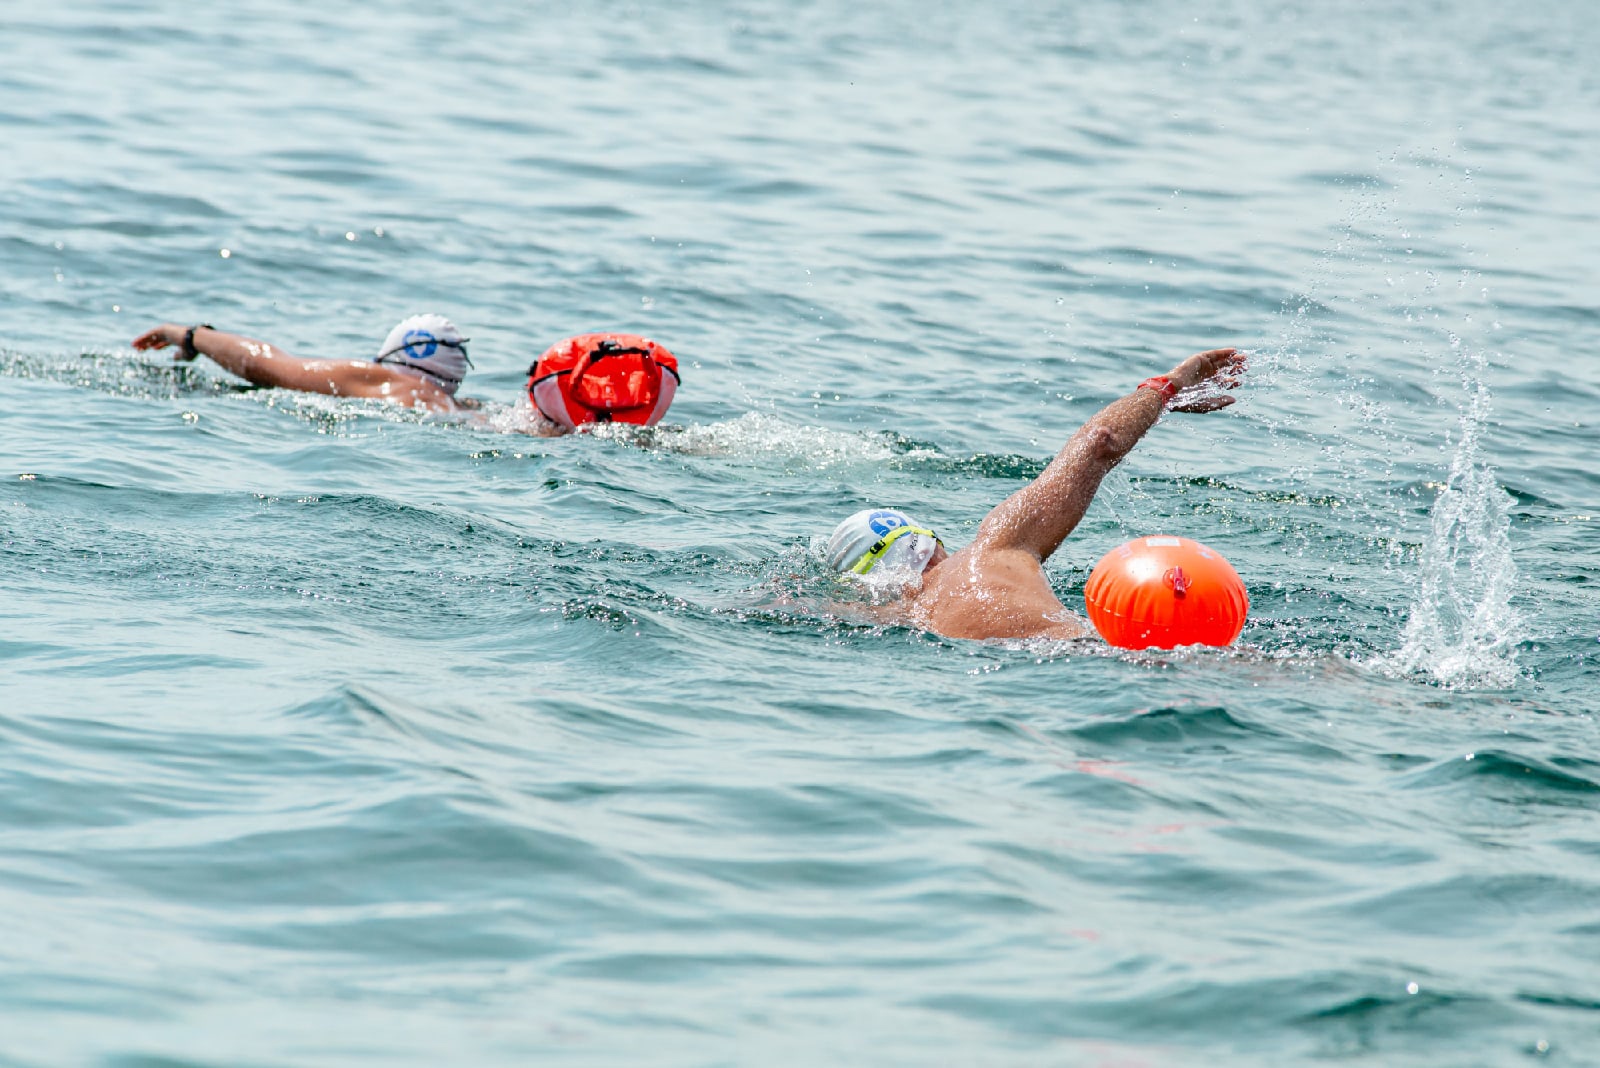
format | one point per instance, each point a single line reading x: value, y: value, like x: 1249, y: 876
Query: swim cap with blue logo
x: 431, y: 344
x: 877, y: 539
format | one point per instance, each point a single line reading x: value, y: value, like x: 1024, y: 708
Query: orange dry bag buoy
x: 1164, y: 591
x: 603, y: 378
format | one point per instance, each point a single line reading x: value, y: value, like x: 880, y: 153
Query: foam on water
x: 759, y: 434
x: 114, y: 374
x: 519, y: 418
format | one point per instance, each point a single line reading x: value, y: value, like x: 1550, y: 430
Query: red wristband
x: 1162, y: 385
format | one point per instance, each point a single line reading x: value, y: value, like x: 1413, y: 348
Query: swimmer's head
x: 430, y: 344
x: 878, y: 541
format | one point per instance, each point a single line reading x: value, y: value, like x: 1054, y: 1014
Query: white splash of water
x: 1463, y: 630
x: 517, y: 418
x: 756, y: 434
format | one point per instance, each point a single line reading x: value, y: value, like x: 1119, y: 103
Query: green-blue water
x: 332, y: 735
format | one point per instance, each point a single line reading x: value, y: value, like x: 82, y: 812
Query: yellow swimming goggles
x: 870, y: 559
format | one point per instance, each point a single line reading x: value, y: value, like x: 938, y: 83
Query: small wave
x: 1173, y: 726
x: 1538, y: 778
x: 979, y: 465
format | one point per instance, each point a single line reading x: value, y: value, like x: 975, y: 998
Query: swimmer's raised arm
x: 267, y: 365
x: 1037, y: 518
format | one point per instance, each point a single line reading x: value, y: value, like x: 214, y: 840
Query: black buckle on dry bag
x: 611, y: 348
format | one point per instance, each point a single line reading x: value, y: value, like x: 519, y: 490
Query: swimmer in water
x: 591, y: 378
x: 996, y: 587
x: 419, y: 365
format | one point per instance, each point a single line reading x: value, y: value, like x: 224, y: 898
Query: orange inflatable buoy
x: 1164, y: 591
x: 604, y: 378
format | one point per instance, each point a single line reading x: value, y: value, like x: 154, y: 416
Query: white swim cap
x: 431, y: 344
x: 868, y: 542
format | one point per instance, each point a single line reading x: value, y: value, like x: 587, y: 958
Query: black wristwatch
x: 189, y: 351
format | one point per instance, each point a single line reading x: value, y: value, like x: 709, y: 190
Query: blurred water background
x: 331, y: 734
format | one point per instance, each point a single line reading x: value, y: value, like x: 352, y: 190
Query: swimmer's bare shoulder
x: 996, y: 587
x: 988, y: 591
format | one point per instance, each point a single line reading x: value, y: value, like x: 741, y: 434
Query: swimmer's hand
x: 162, y: 336
x: 1204, y: 378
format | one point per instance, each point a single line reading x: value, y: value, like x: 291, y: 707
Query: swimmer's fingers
x: 1229, y: 365
x: 1203, y: 365
x: 1229, y: 373
x: 158, y: 338
x: 1209, y: 394
x: 1204, y: 379
x: 1200, y: 403
x: 151, y: 339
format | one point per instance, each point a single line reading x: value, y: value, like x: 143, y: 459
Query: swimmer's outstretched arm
x: 252, y: 360
x: 1038, y: 517
x: 267, y: 365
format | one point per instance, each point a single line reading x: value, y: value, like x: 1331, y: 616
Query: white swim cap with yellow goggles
x: 876, y: 540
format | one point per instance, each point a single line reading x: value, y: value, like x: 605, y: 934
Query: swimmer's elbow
x: 1104, y: 444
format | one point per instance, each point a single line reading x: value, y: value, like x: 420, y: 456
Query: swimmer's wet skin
x: 420, y: 364
x: 996, y: 587
x: 590, y: 378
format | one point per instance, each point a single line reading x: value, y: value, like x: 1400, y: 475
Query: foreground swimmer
x: 996, y: 587
x: 420, y: 364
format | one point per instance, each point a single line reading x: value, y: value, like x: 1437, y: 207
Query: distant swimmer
x: 579, y: 381
x: 420, y: 364
x: 996, y: 587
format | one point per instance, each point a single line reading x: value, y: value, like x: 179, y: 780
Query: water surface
x: 334, y: 734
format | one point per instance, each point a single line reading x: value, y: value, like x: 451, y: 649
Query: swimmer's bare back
x: 996, y: 587
x: 266, y: 365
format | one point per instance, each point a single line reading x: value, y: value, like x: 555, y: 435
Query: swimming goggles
x: 870, y: 559
x: 459, y: 343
